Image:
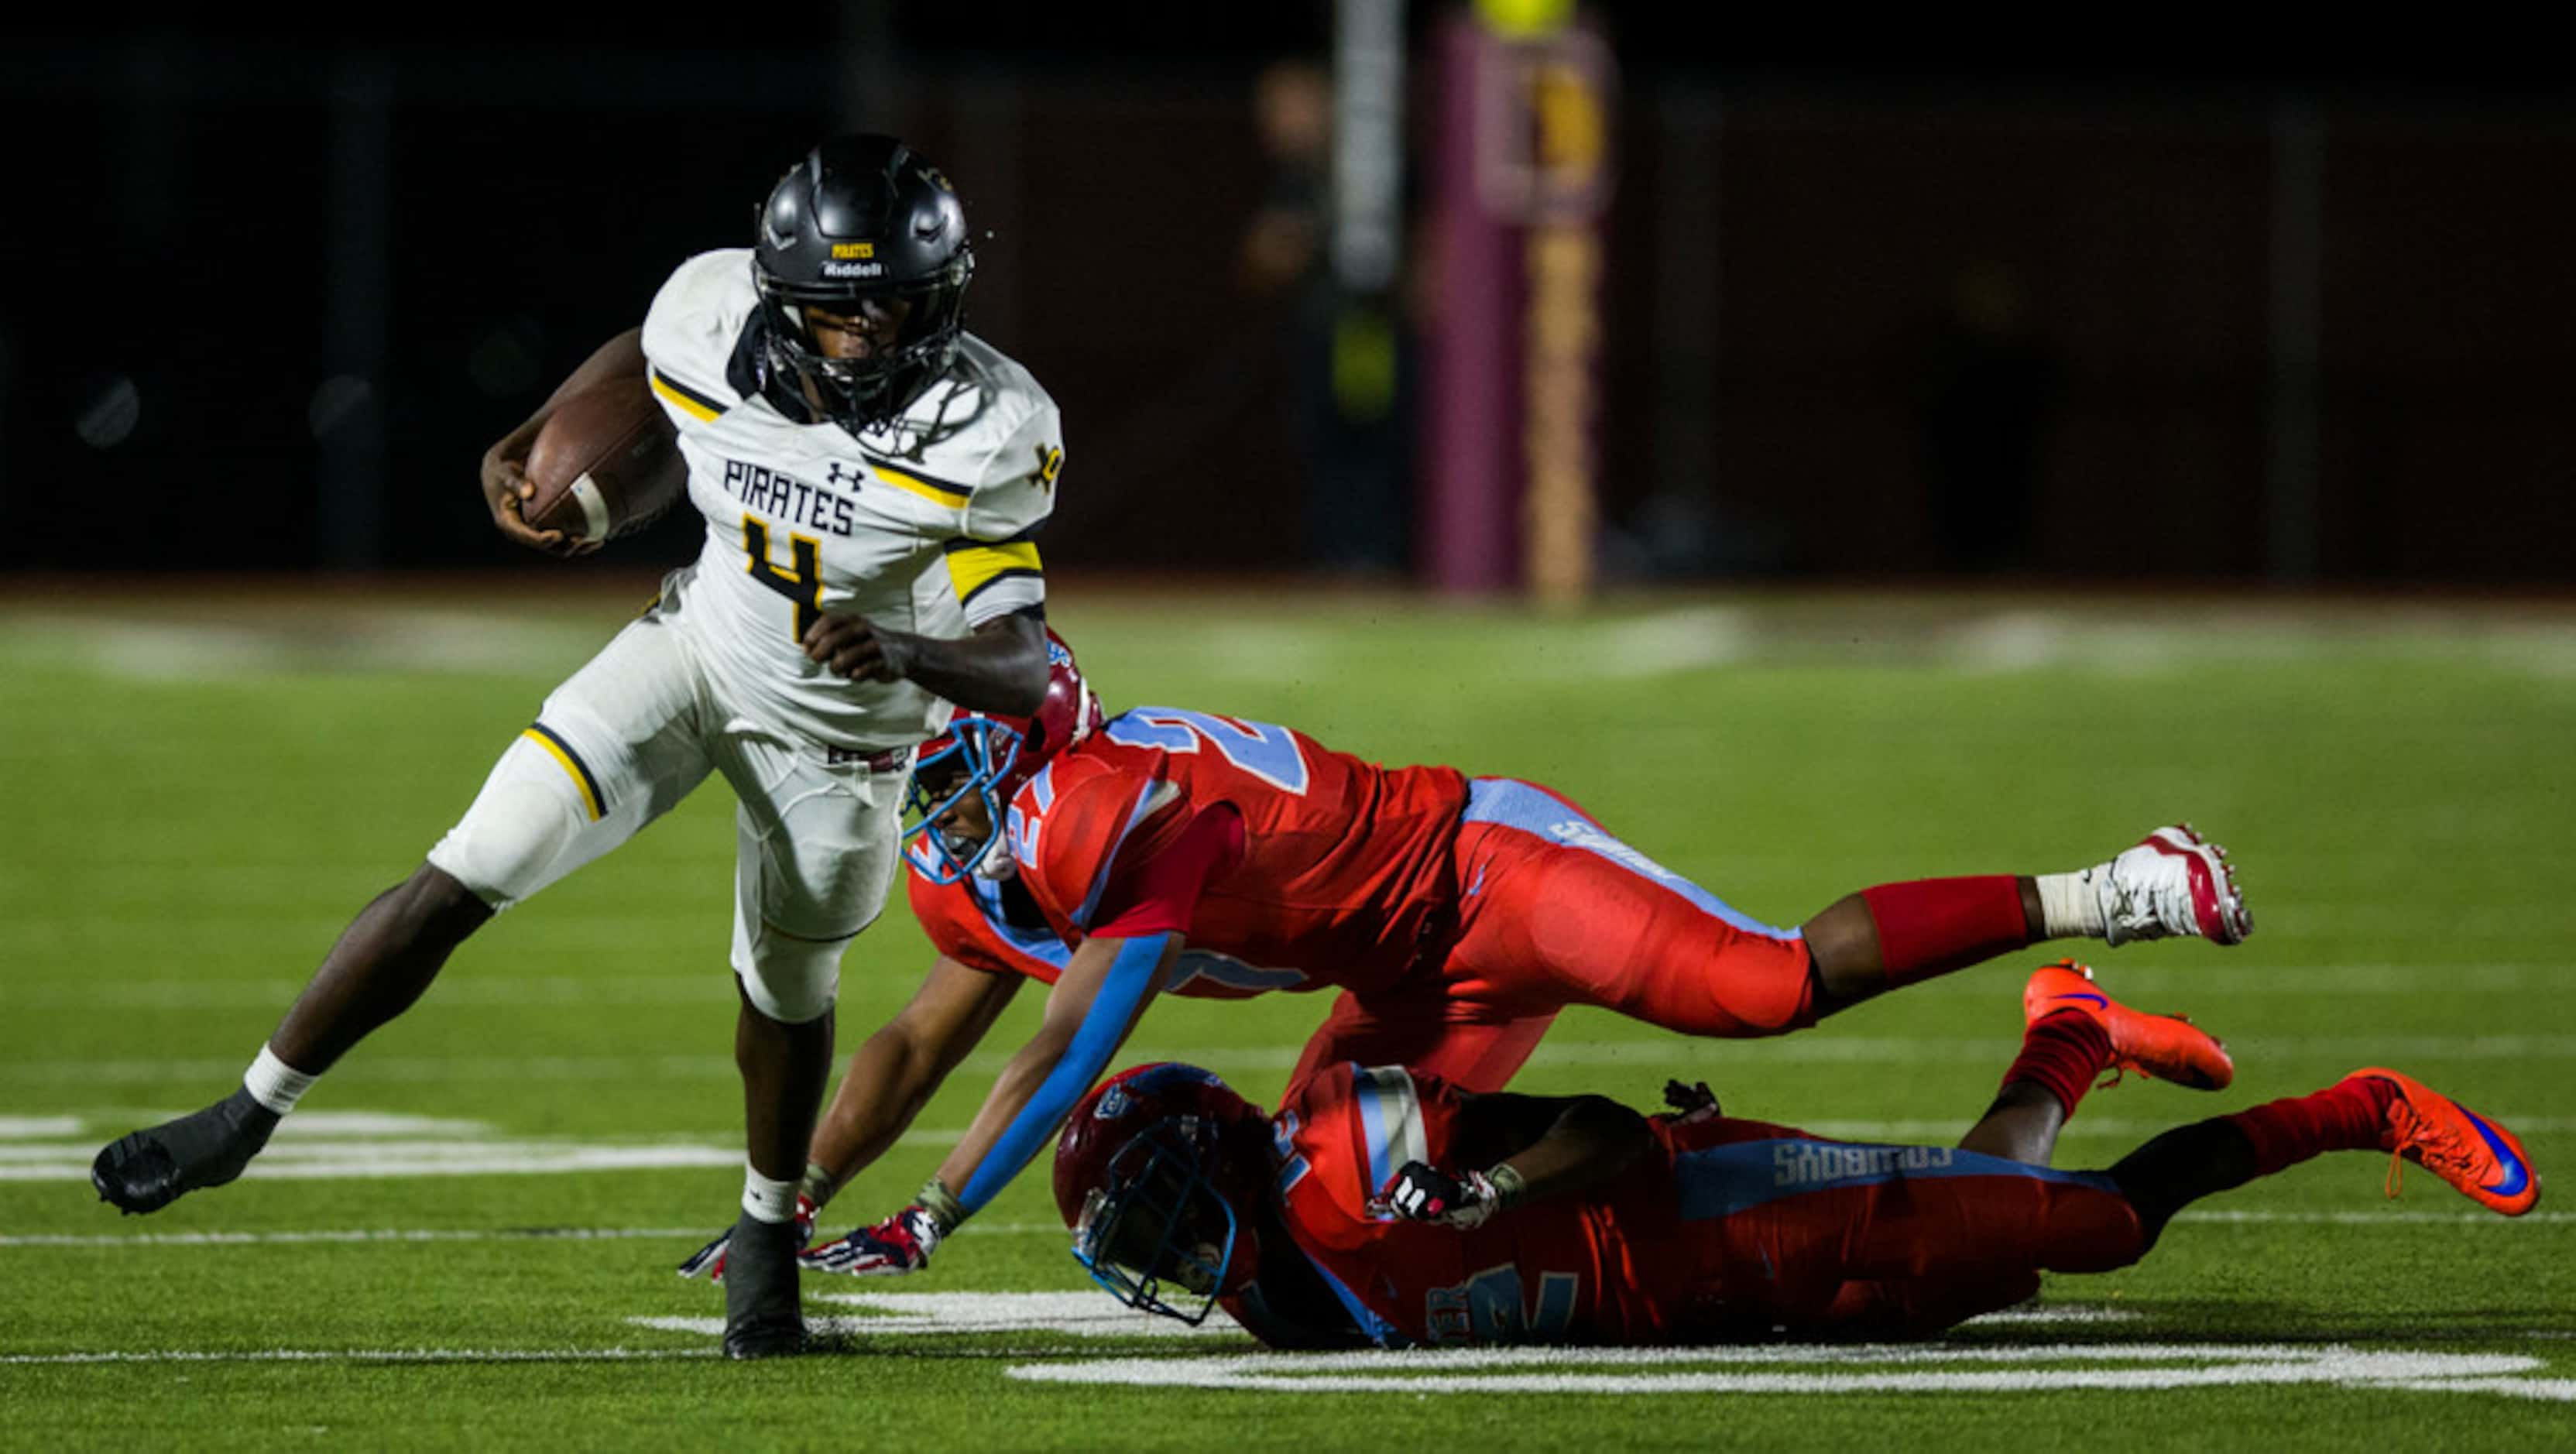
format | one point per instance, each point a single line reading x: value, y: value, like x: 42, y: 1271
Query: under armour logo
x: 835, y: 469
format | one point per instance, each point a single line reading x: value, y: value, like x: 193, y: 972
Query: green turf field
x: 464, y: 1238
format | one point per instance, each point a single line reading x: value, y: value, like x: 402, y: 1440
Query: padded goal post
x: 1522, y: 176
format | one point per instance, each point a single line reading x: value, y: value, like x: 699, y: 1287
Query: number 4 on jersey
x: 803, y: 585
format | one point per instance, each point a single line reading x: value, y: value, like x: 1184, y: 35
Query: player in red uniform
x: 1355, y: 1216
x: 1456, y: 915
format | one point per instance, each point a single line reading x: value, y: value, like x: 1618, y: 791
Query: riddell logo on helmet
x: 854, y: 249
x: 853, y: 270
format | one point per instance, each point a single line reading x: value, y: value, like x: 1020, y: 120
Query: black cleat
x: 146, y: 1170
x: 763, y: 1316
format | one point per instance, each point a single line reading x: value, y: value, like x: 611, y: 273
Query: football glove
x: 1421, y: 1193
x: 710, y: 1259
x: 901, y: 1243
x: 1691, y: 1103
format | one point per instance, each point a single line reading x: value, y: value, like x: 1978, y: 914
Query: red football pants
x: 1472, y: 1045
x: 1554, y: 911
x: 1827, y: 1238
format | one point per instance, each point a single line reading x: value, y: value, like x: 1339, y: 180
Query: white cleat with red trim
x: 2172, y: 883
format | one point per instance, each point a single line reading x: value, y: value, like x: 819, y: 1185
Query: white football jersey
x: 925, y: 524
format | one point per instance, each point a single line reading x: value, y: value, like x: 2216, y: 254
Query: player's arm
x: 505, y: 480
x: 1105, y: 986
x: 1137, y: 928
x: 999, y: 667
x: 900, y: 1067
x: 1548, y: 1146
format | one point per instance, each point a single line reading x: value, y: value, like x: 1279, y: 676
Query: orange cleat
x: 2483, y: 1159
x: 2159, y: 1047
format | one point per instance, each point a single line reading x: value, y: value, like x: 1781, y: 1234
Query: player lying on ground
x: 1165, y: 850
x: 837, y: 405
x: 1386, y: 1208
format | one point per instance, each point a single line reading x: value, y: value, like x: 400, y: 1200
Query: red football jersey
x: 1725, y: 1229
x: 965, y: 922
x: 1615, y: 1265
x: 1345, y: 864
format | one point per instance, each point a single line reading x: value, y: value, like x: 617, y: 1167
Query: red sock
x: 2063, y: 1054
x: 1935, y: 925
x: 2350, y: 1116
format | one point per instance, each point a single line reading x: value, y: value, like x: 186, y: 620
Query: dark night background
x: 252, y: 263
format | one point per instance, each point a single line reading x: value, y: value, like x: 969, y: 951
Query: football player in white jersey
x: 872, y: 477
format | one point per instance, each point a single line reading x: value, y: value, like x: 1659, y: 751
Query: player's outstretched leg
x: 2062, y: 1054
x: 1979, y: 1243
x: 1891, y: 935
x: 380, y: 965
x: 2073, y: 1032
x: 2368, y: 1110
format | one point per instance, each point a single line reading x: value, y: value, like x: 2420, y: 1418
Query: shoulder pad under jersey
x: 1069, y: 824
x: 690, y: 333
x: 984, y: 440
x: 1353, y: 1127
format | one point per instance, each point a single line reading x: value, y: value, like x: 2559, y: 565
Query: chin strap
x: 996, y: 865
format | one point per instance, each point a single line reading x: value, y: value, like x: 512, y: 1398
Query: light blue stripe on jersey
x: 1724, y: 1180
x: 1515, y: 804
x: 1123, y: 992
x: 1372, y: 1327
x: 1372, y: 1130
x: 1149, y: 797
x: 1390, y: 1121
x: 1037, y: 944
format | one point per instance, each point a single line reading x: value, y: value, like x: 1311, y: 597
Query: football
x: 606, y: 463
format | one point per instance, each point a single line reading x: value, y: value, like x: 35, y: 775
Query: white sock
x: 274, y: 1083
x: 2068, y: 907
x: 766, y: 1200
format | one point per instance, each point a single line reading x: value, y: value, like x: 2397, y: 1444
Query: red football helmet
x: 988, y: 757
x: 1155, y: 1173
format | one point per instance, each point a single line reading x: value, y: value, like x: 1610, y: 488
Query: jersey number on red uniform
x: 1489, y: 1308
x: 1267, y: 752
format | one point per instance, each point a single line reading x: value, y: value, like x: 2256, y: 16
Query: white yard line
x: 179, y: 995
x: 378, y: 1159
x: 1825, y: 1048
x: 1827, y: 1371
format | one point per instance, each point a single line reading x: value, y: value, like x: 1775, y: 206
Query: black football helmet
x: 862, y: 216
